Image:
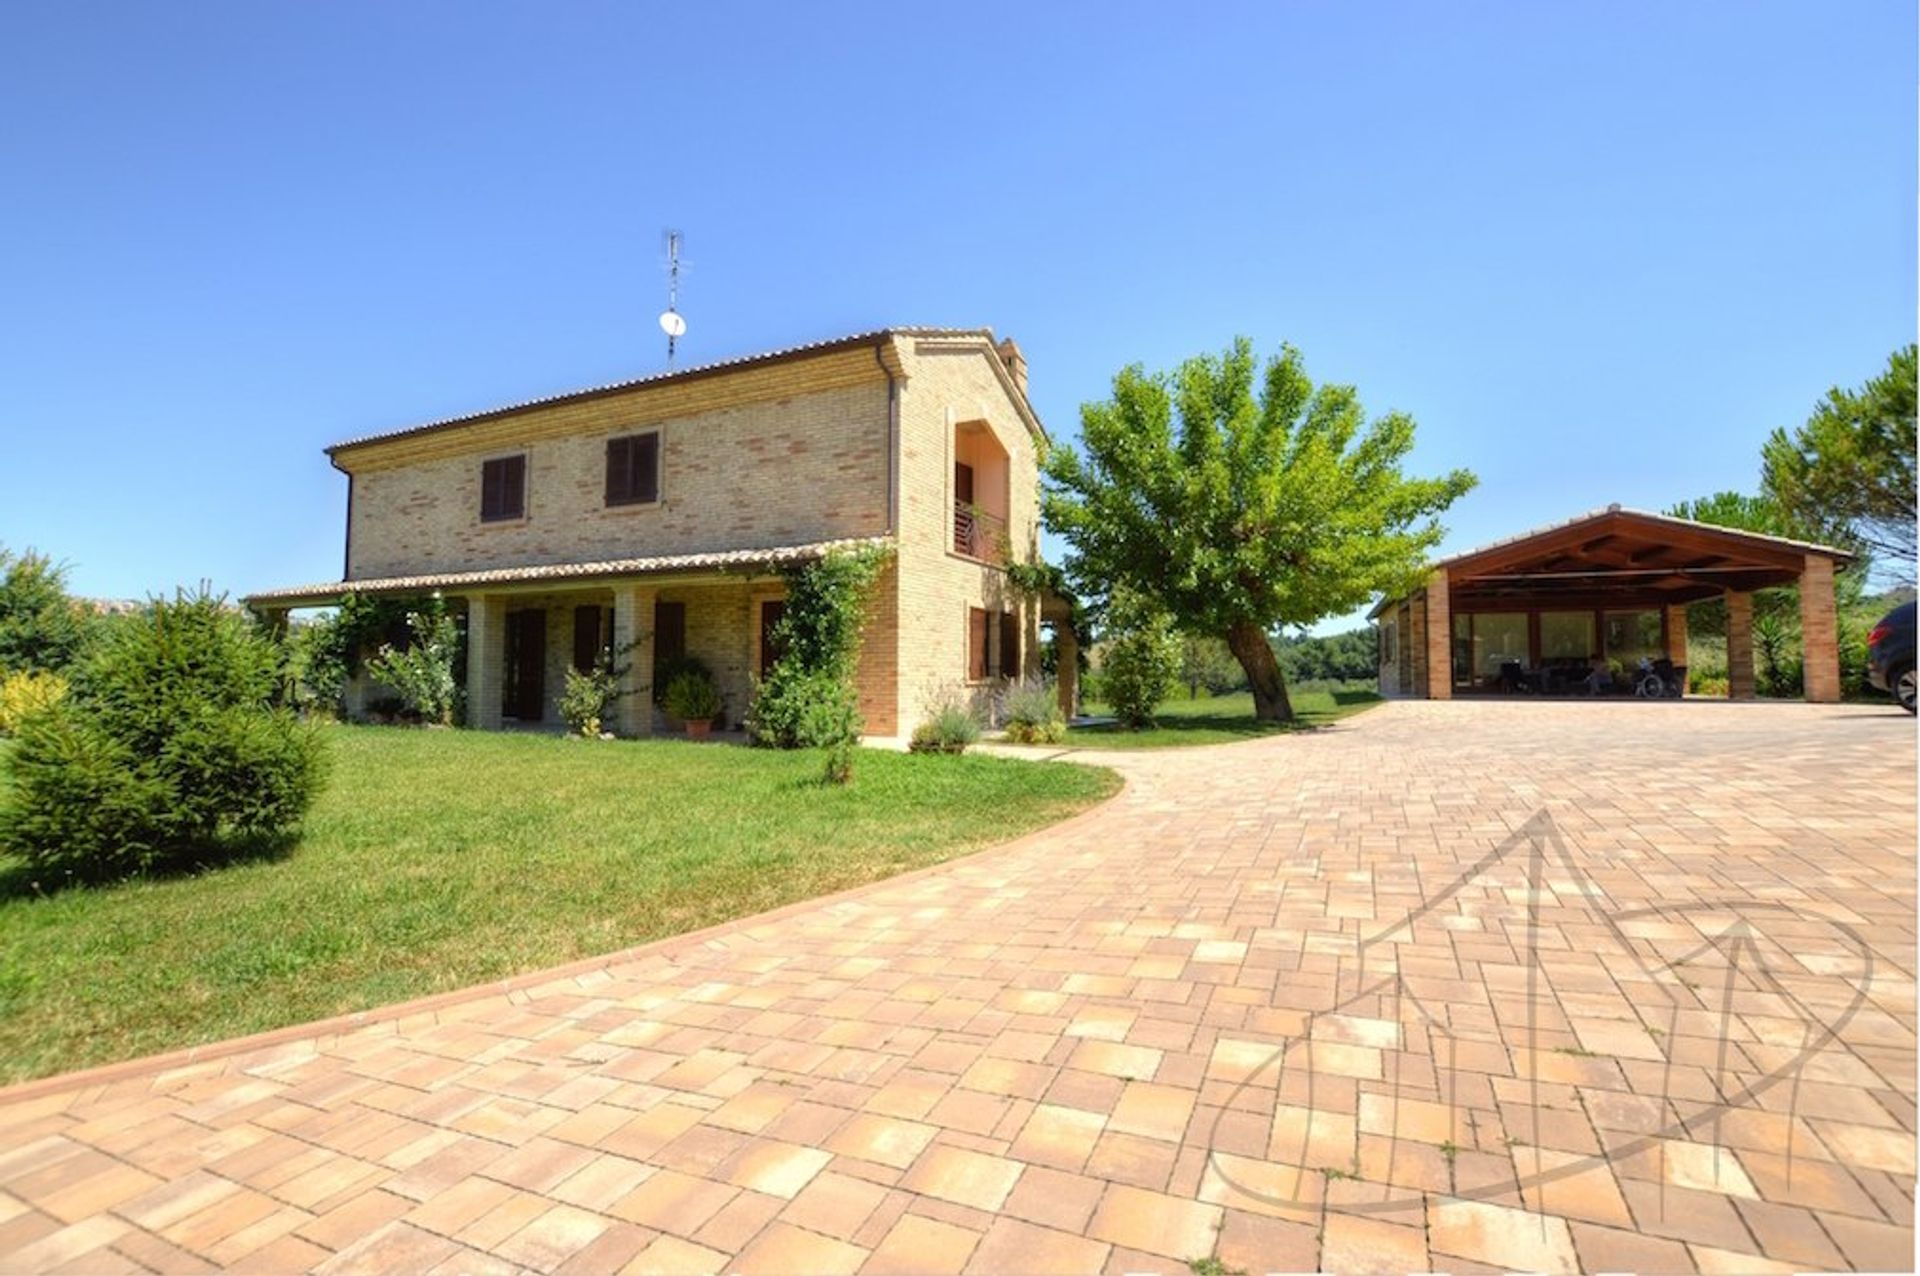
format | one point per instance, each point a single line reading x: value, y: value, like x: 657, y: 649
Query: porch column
x: 1413, y: 642
x: 1677, y: 634
x: 1739, y: 645
x: 486, y: 659
x: 1066, y: 662
x: 633, y: 648
x: 1439, y: 638
x: 1819, y: 632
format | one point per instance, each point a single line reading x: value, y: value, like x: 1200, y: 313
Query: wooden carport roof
x: 1622, y: 557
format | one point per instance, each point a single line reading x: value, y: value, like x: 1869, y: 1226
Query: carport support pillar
x: 1819, y: 632
x: 1739, y: 645
x: 633, y: 649
x: 1439, y: 638
x: 1066, y: 668
x: 1677, y: 634
x: 486, y: 659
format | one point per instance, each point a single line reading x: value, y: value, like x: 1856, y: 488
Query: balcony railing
x: 978, y: 534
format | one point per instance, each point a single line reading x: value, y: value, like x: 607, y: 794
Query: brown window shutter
x: 976, y: 643
x: 586, y: 638
x: 1009, y: 645
x: 669, y: 631
x: 503, y: 488
x: 617, y: 451
x: 646, y: 468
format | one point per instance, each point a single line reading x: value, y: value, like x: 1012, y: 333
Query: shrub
x: 422, y: 673
x: 807, y: 699
x: 324, y: 653
x: 1140, y: 661
x: 1706, y: 684
x: 1033, y: 713
x: 950, y: 730
x: 665, y: 671
x: 588, y: 697
x: 26, y: 693
x: 692, y: 697
x: 167, y: 751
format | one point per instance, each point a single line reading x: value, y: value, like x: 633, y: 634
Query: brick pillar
x: 1439, y: 638
x: 1413, y: 641
x: 486, y: 659
x: 1819, y: 632
x: 633, y: 648
x: 1739, y: 645
x: 1677, y: 635
x: 1067, y: 667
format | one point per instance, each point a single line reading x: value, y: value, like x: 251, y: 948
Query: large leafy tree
x: 1242, y: 498
x: 1849, y: 471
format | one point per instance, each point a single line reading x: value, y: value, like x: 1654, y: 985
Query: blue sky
x: 1596, y: 251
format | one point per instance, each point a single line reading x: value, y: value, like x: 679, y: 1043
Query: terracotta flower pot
x: 699, y: 730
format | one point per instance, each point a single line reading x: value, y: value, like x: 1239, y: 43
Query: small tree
x: 41, y: 628
x: 1139, y: 659
x: 1206, y: 662
x: 590, y: 696
x: 1241, y: 509
x: 166, y: 751
x: 423, y: 673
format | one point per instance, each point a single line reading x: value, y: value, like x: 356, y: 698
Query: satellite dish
x: 672, y: 324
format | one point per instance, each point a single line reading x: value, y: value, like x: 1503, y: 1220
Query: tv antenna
x: 670, y: 321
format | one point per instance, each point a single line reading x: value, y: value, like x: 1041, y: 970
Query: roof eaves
x: 560, y: 573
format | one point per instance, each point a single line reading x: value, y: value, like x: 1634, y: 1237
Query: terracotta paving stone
x: 778, y: 1169
x: 783, y: 1249
x: 1155, y: 1222
x: 673, y: 1202
x: 966, y: 1178
x: 552, y: 1238
x: 1068, y: 1051
x: 1499, y: 1235
x: 922, y: 1247
x: 671, y: 1256
x: 883, y: 1140
x: 1059, y: 1137
x: 1053, y: 1198
x: 1013, y: 1246
x: 1366, y: 1245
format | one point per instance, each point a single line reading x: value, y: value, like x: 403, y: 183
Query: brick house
x: 660, y: 511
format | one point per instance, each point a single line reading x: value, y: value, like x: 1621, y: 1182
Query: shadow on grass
x: 1183, y: 722
x: 21, y: 880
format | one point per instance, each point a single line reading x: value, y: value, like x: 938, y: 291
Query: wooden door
x: 587, y: 638
x: 526, y: 681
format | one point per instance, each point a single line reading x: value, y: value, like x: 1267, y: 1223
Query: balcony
x: 978, y: 534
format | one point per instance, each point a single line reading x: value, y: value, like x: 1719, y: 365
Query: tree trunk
x: 1250, y: 647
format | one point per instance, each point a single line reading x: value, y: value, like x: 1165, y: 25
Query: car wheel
x: 1905, y: 688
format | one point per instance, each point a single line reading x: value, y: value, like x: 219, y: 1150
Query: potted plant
x: 692, y: 698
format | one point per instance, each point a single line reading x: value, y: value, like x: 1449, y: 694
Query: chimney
x: 1016, y: 363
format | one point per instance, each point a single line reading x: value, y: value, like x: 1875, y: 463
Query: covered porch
x: 524, y: 628
x: 1597, y: 607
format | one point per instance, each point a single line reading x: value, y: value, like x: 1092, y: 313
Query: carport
x: 1548, y: 610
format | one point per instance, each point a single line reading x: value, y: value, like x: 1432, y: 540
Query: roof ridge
x: 671, y: 374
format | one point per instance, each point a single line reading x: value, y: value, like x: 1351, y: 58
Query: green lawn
x: 1218, y: 720
x: 440, y: 859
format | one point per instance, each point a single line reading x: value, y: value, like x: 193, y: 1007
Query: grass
x: 1219, y: 720
x: 439, y: 859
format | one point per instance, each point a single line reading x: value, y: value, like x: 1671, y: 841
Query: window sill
x: 632, y: 507
x: 489, y: 524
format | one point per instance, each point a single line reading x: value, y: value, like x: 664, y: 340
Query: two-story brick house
x: 658, y: 512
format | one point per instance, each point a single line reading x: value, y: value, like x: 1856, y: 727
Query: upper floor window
x: 503, y: 488
x: 633, y: 469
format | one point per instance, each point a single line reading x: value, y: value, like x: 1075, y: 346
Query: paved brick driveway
x: 1072, y: 1054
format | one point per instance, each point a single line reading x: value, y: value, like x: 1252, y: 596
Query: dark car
x: 1890, y: 655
